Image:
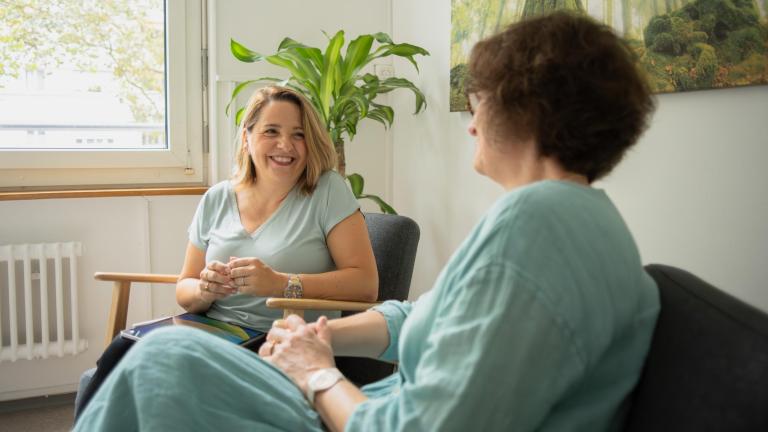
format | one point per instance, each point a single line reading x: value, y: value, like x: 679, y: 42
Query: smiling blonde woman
x: 285, y: 224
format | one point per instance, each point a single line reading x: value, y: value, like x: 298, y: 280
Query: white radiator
x: 38, y: 301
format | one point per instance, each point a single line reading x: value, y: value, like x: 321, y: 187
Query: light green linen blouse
x: 541, y: 320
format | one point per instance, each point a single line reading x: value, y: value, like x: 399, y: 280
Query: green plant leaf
x: 237, y: 91
x: 311, y: 53
x: 357, y: 54
x: 369, y: 78
x: 314, y: 54
x: 392, y: 83
x: 242, y: 53
x: 337, y: 76
x: 330, y: 65
x: 239, y: 116
x: 382, y: 113
x: 401, y: 50
x: 358, y: 99
x: 357, y: 183
x: 382, y: 38
x: 385, y: 208
x: 289, y: 43
x: 242, y: 86
x: 303, y: 63
x: 335, y: 134
x: 351, y: 127
x: 279, y: 60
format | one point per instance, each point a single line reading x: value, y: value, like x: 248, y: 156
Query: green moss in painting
x: 706, y: 65
x: 706, y: 43
x: 741, y: 43
x: 699, y: 37
x: 458, y: 78
x: 665, y: 44
x: 658, y: 25
x: 752, y: 70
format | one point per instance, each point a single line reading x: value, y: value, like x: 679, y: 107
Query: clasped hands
x: 298, y: 348
x: 240, y: 275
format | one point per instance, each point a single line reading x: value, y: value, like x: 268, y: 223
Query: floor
x: 43, y: 414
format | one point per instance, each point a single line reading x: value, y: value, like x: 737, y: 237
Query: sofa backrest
x: 707, y: 369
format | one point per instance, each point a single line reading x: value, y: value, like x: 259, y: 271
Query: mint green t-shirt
x: 292, y: 240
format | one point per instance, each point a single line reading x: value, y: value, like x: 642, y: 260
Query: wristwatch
x: 320, y: 380
x: 294, y: 289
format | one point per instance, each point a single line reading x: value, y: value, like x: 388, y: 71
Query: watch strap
x: 321, y: 380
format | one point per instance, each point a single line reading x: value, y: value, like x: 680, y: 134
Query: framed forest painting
x: 681, y: 44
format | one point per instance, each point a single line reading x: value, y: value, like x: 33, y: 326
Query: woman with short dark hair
x: 541, y: 320
x: 567, y: 83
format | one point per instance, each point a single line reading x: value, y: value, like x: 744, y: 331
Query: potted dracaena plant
x: 337, y: 86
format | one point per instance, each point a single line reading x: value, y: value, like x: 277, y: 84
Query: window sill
x: 101, y: 193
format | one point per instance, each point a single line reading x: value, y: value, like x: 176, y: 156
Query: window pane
x: 80, y: 74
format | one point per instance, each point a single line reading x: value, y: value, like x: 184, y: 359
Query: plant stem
x: 341, y: 165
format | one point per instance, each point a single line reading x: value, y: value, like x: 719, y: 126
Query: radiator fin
x: 39, y: 314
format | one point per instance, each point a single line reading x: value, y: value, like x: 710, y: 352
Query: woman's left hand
x: 298, y: 348
x: 252, y: 276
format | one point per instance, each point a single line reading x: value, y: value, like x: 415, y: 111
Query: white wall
x: 693, y: 191
x: 134, y: 234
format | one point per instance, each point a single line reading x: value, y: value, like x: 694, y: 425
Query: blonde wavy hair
x: 321, y: 156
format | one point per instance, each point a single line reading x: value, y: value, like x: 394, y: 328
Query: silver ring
x: 242, y: 281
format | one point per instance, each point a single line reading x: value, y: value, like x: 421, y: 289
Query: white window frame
x: 181, y: 164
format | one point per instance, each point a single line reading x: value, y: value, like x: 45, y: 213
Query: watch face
x: 293, y: 291
x: 322, y: 380
x: 325, y: 379
x: 294, y: 288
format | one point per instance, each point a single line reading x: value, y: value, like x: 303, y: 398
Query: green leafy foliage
x: 123, y: 38
x: 705, y: 44
x: 334, y: 81
x: 357, y: 183
x: 661, y: 33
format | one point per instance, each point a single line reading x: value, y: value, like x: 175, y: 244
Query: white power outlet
x: 384, y: 71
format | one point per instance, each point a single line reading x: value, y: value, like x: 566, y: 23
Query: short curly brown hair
x: 569, y: 83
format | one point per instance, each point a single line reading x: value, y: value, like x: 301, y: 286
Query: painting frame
x: 681, y: 45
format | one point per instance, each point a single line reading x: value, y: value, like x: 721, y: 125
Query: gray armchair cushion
x: 85, y: 378
x: 394, y: 240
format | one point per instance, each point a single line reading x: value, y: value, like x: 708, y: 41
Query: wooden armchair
x: 394, y: 240
x: 121, y: 293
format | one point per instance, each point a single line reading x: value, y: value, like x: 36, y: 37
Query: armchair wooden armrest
x: 121, y: 292
x: 298, y: 306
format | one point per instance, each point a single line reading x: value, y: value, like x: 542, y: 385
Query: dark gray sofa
x: 707, y: 369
